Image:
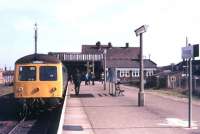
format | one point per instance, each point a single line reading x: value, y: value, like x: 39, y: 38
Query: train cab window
x: 27, y: 73
x: 48, y: 73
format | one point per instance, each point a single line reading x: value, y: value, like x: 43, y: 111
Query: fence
x: 173, y: 82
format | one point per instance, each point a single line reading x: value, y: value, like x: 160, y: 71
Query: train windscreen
x: 48, y: 73
x: 27, y: 73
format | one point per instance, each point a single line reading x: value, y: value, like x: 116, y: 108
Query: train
x: 40, y: 81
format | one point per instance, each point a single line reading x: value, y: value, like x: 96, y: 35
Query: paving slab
x: 95, y: 111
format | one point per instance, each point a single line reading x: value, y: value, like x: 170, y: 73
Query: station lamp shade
x: 141, y: 30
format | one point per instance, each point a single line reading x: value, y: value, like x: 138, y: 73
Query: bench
x: 118, y: 90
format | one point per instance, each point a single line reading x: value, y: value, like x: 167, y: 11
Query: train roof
x: 37, y: 58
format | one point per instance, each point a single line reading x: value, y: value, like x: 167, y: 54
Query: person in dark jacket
x: 77, y: 81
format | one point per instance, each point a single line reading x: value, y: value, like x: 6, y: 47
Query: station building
x: 92, y: 58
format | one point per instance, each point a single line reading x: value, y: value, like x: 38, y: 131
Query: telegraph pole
x: 190, y: 94
x: 35, y: 38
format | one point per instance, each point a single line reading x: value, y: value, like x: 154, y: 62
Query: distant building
x: 182, y: 66
x: 8, y: 77
x: 125, y: 60
x: 175, y: 76
x: 1, y: 76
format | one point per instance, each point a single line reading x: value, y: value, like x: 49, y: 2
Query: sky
x: 64, y: 25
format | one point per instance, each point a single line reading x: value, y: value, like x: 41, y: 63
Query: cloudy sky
x: 64, y: 25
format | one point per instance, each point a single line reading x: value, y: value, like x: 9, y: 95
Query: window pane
x: 48, y: 73
x: 27, y: 73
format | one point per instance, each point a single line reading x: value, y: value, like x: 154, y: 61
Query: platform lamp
x: 139, y: 32
x: 104, y: 53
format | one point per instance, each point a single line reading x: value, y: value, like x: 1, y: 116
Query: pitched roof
x: 113, y: 52
x: 149, y: 63
x: 119, y: 63
x: 93, y: 49
x: 130, y: 63
x: 123, y: 53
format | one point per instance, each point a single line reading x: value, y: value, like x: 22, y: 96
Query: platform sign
x: 187, y: 52
x: 196, y: 50
x: 190, y: 51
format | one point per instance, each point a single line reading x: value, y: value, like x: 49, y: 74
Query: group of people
x: 89, y: 77
x: 76, y: 79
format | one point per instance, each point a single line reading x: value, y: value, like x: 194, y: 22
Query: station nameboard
x: 190, y: 51
x: 187, y: 52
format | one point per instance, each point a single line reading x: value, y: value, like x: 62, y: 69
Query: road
x: 121, y: 115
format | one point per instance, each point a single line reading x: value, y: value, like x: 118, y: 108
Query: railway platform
x: 95, y: 111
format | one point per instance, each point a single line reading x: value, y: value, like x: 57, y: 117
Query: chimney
x: 127, y: 45
x: 149, y: 56
x: 109, y: 45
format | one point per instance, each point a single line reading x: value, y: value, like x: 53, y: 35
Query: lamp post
x: 139, y: 32
x: 104, y: 68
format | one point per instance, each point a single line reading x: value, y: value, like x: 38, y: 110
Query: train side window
x: 27, y: 73
x: 48, y: 73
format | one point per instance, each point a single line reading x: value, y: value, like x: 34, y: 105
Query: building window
x: 134, y: 74
x: 121, y: 74
x: 147, y: 73
x: 137, y: 74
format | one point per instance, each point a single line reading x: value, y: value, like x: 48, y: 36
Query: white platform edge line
x: 61, y: 123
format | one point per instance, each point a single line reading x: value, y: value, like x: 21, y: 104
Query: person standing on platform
x: 86, y: 78
x: 77, y: 81
x: 102, y: 77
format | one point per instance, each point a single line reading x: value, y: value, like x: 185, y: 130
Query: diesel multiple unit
x: 39, y: 79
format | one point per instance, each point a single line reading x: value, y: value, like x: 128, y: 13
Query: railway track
x: 12, y: 131
x: 43, y: 122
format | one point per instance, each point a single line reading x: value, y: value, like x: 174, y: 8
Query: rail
x: 16, y: 126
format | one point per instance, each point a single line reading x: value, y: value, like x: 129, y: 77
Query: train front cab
x: 38, y: 81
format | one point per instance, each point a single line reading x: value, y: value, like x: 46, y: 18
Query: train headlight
x: 20, y: 89
x: 35, y: 90
x: 53, y: 90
